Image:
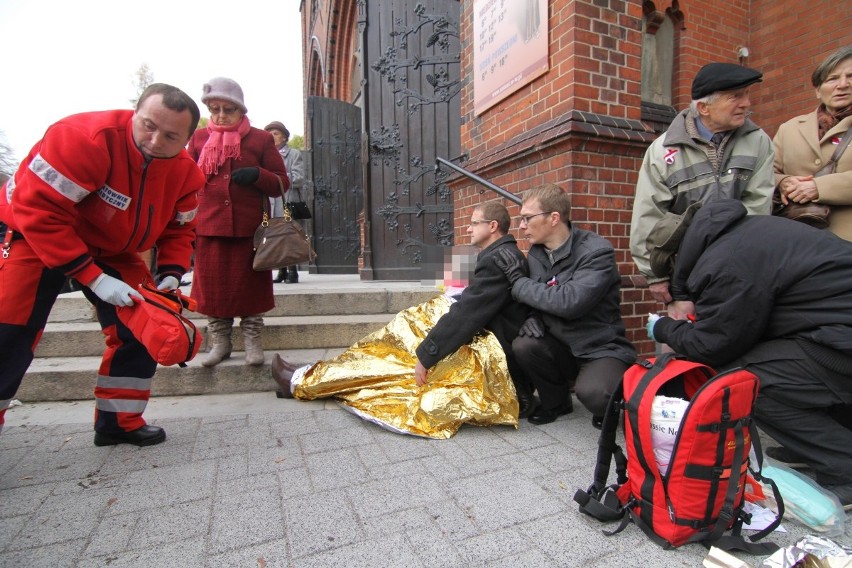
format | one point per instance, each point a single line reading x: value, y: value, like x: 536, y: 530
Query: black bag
x: 298, y: 209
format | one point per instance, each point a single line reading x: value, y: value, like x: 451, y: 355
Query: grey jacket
x: 577, y: 296
x: 296, y: 172
x: 676, y: 173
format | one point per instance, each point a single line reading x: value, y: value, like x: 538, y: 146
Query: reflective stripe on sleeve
x: 186, y: 216
x: 10, y: 188
x: 51, y: 176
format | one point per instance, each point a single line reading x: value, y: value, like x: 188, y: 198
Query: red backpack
x: 700, y: 494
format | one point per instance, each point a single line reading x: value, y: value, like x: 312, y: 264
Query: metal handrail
x: 495, y: 188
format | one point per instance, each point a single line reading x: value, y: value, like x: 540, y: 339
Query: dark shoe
x: 546, y: 416
x: 282, y: 372
x: 282, y: 274
x: 145, y: 436
x: 787, y: 456
x: 292, y: 276
x: 844, y: 494
x: 597, y: 422
x: 526, y: 404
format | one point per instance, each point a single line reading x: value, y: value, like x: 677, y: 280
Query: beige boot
x: 219, y: 336
x: 252, y: 327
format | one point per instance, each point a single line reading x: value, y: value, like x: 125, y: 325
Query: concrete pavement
x: 251, y: 480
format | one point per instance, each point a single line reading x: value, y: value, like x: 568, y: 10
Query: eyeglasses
x: 222, y: 110
x: 525, y: 219
x: 476, y: 222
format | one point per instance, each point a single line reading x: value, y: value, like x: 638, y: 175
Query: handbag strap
x: 829, y: 167
x: 265, y: 200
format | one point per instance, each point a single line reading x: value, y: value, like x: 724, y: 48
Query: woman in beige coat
x: 806, y: 143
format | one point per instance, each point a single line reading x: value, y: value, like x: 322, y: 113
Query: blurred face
x: 158, y: 131
x: 836, y: 91
x: 479, y: 229
x: 224, y: 113
x: 536, y: 225
x: 727, y: 112
x: 279, y: 137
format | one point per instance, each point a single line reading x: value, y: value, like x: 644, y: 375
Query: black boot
x: 292, y: 275
x: 282, y: 274
x: 526, y: 400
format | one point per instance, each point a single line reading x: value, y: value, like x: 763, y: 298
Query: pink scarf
x: 223, y: 143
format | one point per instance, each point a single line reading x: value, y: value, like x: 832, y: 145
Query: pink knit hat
x: 224, y: 89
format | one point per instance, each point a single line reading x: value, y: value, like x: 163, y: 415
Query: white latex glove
x: 114, y: 291
x: 169, y: 283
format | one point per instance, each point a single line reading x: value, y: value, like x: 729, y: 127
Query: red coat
x: 230, y: 210
x: 85, y: 190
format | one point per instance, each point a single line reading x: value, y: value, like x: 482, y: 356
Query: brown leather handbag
x: 811, y: 213
x: 280, y: 242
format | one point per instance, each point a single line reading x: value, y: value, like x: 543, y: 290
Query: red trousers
x: 28, y: 290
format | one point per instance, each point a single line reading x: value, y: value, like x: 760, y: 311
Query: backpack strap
x: 735, y: 540
x: 600, y: 501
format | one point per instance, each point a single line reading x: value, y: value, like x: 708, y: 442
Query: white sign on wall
x: 510, y: 39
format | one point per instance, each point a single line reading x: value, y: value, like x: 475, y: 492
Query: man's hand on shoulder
x: 512, y: 266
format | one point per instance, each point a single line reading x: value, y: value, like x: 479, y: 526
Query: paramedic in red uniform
x: 98, y: 188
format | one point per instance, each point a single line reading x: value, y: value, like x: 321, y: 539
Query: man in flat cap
x: 711, y: 151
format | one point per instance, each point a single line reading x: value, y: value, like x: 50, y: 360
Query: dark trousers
x: 28, y: 291
x: 799, y: 405
x: 552, y: 368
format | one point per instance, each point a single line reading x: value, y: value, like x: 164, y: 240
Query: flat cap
x: 722, y: 77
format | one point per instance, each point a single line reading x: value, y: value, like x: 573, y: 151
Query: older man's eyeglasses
x: 475, y: 222
x: 222, y: 110
x: 525, y: 219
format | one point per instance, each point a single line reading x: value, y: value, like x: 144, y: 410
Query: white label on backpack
x: 666, y: 416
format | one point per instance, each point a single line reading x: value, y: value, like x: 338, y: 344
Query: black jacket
x: 485, y: 304
x: 577, y: 296
x: 755, y: 278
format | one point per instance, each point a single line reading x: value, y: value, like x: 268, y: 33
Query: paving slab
x: 251, y: 480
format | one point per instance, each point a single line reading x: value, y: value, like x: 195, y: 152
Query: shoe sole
x: 559, y: 414
x: 107, y: 440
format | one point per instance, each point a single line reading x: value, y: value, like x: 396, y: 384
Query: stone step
x: 312, y: 320
x: 85, y: 339
x: 305, y: 299
x: 73, y: 378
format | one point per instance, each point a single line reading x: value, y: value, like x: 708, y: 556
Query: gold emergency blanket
x: 375, y: 379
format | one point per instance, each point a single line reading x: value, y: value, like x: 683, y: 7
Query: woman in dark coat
x: 243, y: 170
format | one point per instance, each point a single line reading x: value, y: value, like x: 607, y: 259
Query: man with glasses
x: 97, y: 189
x: 485, y: 304
x: 573, y: 332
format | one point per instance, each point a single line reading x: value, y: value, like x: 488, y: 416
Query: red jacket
x: 85, y: 190
x: 230, y: 210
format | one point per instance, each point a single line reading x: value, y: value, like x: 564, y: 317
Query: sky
x: 61, y: 57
